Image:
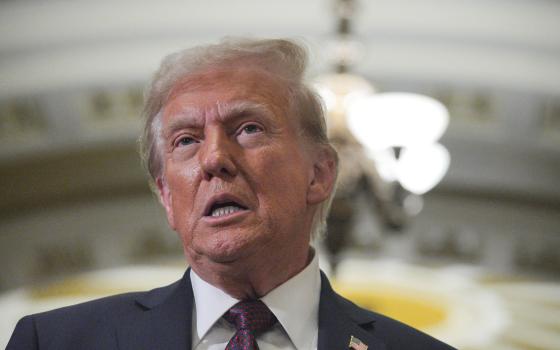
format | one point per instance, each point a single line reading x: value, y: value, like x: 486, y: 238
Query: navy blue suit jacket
x: 161, y: 319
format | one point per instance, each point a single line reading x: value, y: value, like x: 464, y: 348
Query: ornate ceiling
x: 71, y: 76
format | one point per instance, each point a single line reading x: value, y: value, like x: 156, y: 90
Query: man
x: 236, y: 146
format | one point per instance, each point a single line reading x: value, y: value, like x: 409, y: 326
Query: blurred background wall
x: 74, y: 198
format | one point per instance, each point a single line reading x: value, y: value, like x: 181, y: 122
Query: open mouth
x: 224, y: 207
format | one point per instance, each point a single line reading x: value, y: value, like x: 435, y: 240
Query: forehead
x: 220, y: 86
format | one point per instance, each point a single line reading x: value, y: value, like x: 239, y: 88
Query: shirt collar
x: 210, y: 304
x: 298, y: 316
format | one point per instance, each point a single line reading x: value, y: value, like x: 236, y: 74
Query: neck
x: 251, y: 280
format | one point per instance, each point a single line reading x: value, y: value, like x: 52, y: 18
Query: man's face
x: 238, y: 179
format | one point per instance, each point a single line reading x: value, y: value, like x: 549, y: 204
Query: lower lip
x: 225, y: 219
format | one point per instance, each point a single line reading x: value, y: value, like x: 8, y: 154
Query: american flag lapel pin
x: 357, y: 344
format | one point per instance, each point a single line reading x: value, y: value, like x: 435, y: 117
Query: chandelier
x: 388, y: 142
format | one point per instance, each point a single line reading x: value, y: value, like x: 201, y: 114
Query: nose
x: 215, y: 156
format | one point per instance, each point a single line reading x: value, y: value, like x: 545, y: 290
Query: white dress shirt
x: 295, y: 303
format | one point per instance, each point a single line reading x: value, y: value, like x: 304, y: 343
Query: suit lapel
x: 163, y: 321
x: 339, y: 319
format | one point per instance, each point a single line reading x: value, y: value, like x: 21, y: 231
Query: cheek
x: 190, y: 173
x: 283, y: 178
x: 182, y: 184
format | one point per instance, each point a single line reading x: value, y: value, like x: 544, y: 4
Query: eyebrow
x: 189, y: 117
x: 192, y: 117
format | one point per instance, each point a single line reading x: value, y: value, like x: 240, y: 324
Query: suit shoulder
x: 401, y: 335
x: 395, y: 334
x: 113, y: 305
x: 96, y: 316
x: 71, y: 327
x: 89, y: 325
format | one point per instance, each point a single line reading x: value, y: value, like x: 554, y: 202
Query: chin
x: 224, y: 250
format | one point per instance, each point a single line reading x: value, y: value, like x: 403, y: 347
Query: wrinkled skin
x: 230, y: 133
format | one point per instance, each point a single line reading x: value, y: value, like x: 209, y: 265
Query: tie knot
x: 251, y: 315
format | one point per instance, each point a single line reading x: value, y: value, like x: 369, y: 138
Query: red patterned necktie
x: 250, y: 319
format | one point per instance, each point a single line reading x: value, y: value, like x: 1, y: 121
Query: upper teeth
x: 225, y: 210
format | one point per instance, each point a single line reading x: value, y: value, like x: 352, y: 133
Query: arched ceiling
x: 57, y: 44
x: 71, y: 75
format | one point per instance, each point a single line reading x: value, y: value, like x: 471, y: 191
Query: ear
x: 166, y: 200
x: 323, y: 176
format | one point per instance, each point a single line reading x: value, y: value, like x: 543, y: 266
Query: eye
x: 251, y: 128
x: 184, y: 141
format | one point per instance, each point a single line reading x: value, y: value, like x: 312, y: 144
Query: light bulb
x: 396, y: 120
x: 421, y: 167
